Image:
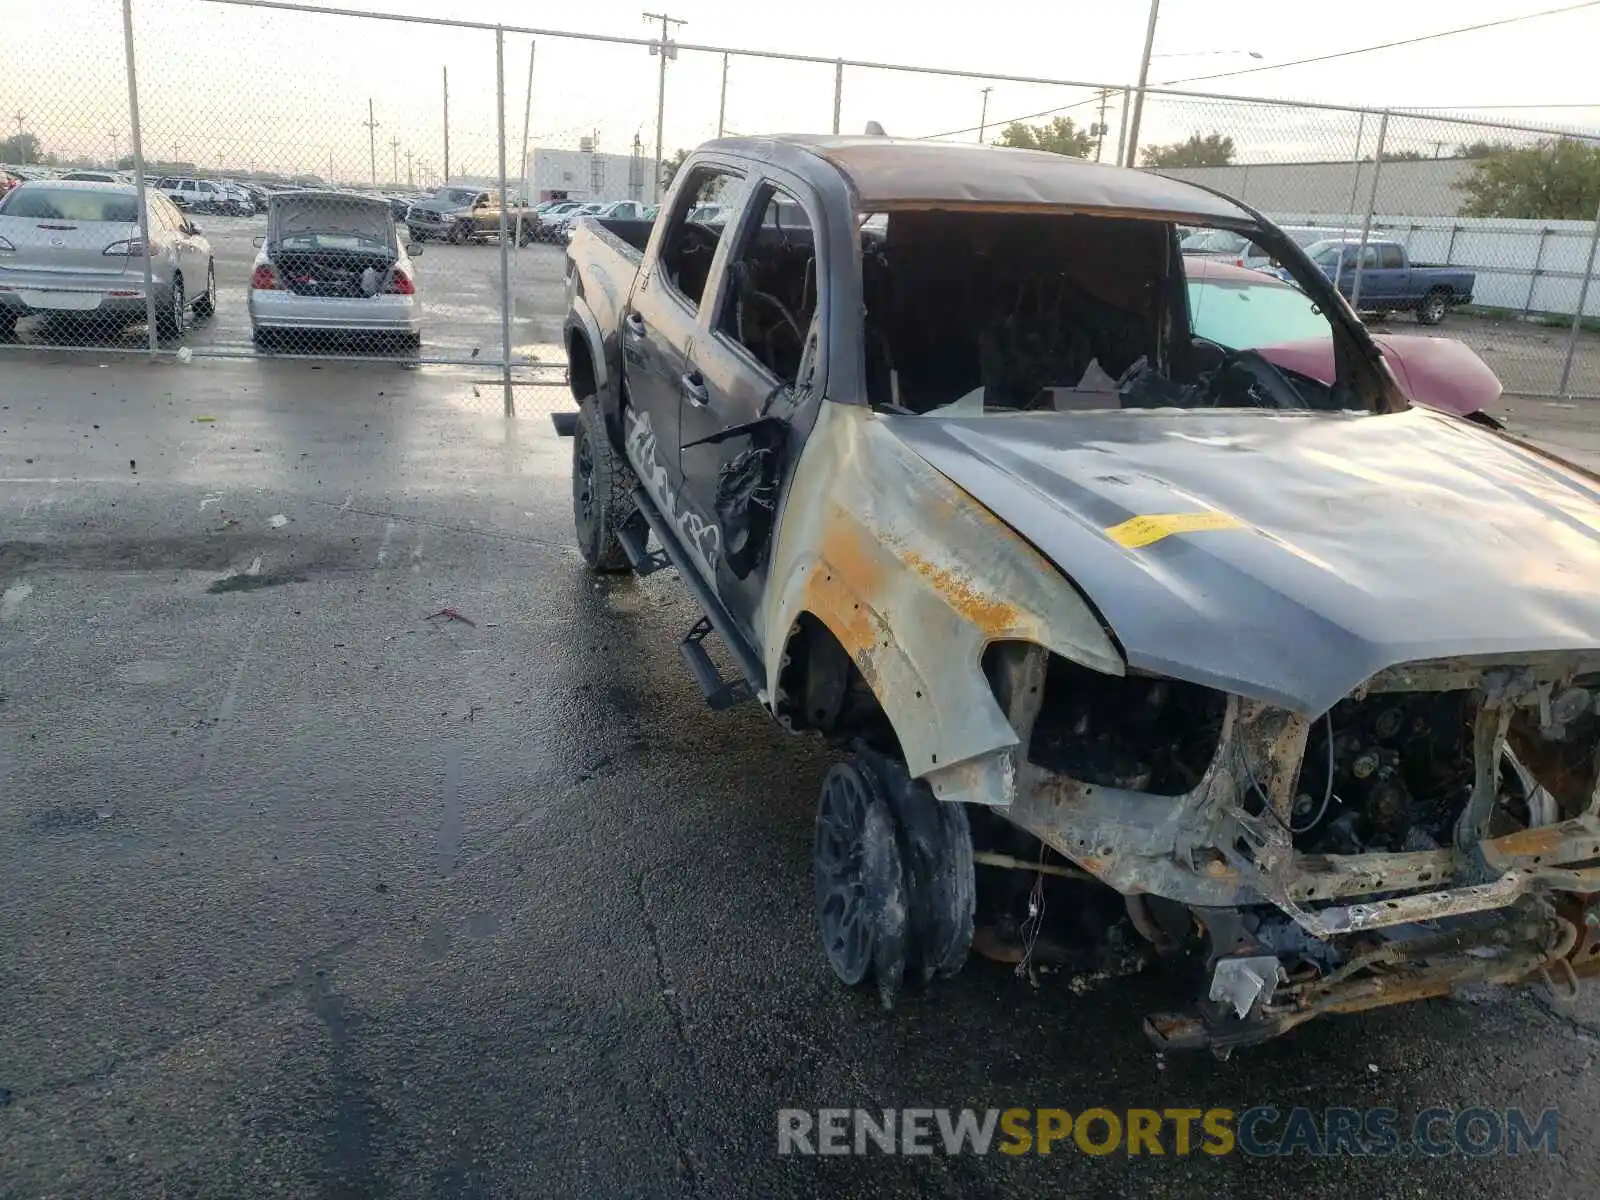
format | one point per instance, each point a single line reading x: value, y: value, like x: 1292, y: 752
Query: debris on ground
x: 450, y: 614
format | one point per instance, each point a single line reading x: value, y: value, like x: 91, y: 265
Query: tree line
x: 1553, y: 179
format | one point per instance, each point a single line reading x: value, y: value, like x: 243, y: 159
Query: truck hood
x: 1289, y: 557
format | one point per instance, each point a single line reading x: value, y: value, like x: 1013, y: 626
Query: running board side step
x: 720, y: 693
x: 642, y: 560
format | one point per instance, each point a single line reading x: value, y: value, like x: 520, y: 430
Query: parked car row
x: 329, y: 261
x: 470, y: 214
x: 214, y: 195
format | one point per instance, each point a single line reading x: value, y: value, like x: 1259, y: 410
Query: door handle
x: 634, y: 324
x: 694, y: 389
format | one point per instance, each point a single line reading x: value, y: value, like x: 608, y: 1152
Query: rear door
x: 1385, y: 279
x: 659, y: 327
x: 756, y: 363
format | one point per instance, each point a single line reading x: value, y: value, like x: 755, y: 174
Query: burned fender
x: 914, y: 578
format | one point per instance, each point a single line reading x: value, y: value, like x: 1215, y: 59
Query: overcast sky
x: 239, y: 87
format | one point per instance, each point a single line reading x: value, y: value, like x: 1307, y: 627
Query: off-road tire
x: 602, y: 493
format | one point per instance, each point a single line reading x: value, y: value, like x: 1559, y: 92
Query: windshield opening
x: 969, y: 313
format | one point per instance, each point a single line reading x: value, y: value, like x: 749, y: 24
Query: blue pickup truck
x: 1390, y: 281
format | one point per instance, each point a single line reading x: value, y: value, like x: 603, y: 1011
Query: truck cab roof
x: 900, y: 173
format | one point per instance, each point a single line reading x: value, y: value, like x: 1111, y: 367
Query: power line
x: 1411, y: 41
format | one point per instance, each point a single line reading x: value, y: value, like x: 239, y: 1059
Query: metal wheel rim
x: 1435, y: 307
x: 583, y: 479
x: 843, y: 916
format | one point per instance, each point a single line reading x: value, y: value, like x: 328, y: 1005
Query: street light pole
x: 666, y: 50
x: 394, y: 154
x: 372, y: 142
x: 446, y: 125
x: 1144, y: 78
x: 983, y: 115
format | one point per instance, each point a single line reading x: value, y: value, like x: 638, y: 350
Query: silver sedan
x: 75, y: 248
x: 332, y: 261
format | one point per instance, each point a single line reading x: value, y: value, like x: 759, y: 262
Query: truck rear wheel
x: 602, y: 487
x: 1433, y: 307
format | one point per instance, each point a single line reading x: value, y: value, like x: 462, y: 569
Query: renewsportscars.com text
x: 1262, y: 1131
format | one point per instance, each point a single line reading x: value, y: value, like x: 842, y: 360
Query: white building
x: 586, y: 175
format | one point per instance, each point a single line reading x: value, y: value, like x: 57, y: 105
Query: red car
x: 1247, y: 310
x: 7, y: 182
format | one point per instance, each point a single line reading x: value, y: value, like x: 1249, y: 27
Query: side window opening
x: 771, y: 298
x: 699, y: 220
x: 1390, y: 257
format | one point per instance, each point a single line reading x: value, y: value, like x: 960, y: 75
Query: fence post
x: 1366, y: 221
x: 1355, y: 177
x: 838, y: 91
x: 505, y: 269
x: 138, y: 175
x: 1583, y: 299
x: 1533, y: 275
x: 522, y: 172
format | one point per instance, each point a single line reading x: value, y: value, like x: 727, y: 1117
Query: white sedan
x: 332, y: 262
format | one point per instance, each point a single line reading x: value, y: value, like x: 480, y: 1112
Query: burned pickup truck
x: 1283, y: 679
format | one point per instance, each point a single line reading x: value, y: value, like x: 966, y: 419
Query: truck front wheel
x: 893, y: 872
x: 602, y: 487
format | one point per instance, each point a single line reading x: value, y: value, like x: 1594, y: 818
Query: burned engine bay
x: 1434, y: 830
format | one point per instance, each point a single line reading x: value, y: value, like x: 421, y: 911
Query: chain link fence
x: 331, y: 184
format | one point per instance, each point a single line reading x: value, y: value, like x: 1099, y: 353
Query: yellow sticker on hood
x: 1142, y: 531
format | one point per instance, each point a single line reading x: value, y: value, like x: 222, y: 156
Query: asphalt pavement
x: 356, y: 842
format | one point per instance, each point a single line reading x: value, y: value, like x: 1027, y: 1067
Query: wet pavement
x: 313, y: 888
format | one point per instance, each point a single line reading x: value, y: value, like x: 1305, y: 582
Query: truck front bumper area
x: 1237, y: 879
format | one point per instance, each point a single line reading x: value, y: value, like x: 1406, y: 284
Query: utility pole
x: 722, y: 104
x: 666, y: 49
x: 1144, y: 78
x: 1100, y: 127
x: 411, y: 178
x: 446, y: 125
x: 983, y: 115
x: 116, y: 147
x: 372, y: 142
x: 394, y: 152
x: 330, y: 166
